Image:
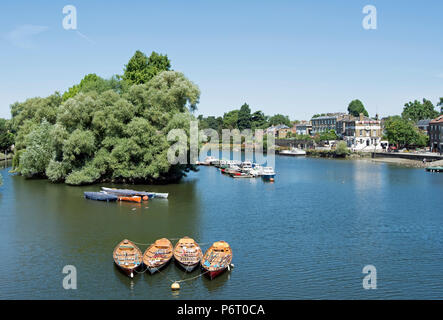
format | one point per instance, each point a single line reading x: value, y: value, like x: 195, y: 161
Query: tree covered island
x: 107, y: 129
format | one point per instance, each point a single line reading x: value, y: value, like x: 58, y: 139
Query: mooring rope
x: 142, y: 244
x: 173, y: 239
x: 183, y: 280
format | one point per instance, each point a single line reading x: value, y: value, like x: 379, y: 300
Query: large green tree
x: 108, y: 136
x: 416, y: 110
x: 244, y: 117
x: 230, y: 119
x: 259, y: 120
x: 140, y: 69
x: 356, y: 107
x: 279, y: 119
x: 402, y: 132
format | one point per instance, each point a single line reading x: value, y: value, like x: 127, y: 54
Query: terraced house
x: 362, y: 134
x: 436, y: 134
x: 325, y: 123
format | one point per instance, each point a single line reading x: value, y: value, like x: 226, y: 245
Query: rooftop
x: 424, y: 122
x: 439, y: 119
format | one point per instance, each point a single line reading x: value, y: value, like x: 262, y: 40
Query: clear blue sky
x: 292, y: 57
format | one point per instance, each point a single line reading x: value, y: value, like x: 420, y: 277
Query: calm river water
x: 308, y: 235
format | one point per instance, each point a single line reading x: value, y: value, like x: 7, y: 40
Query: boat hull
x: 293, y: 154
x: 268, y: 177
x: 187, y: 267
x: 98, y: 196
x: 213, y: 274
x: 129, y: 272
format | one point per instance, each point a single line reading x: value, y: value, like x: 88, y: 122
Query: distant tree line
x: 241, y: 119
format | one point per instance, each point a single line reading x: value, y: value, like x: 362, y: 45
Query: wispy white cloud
x: 22, y: 36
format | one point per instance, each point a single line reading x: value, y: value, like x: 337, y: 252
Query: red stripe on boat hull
x: 215, y: 273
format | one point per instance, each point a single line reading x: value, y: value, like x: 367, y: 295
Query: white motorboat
x: 268, y: 173
x: 293, y: 152
x: 209, y: 161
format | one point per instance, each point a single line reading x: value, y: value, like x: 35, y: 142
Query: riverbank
x: 408, y: 162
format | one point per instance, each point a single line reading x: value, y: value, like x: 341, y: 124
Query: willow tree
x: 111, y: 136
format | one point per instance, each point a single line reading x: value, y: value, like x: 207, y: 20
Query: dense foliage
x: 440, y: 104
x: 356, y: 107
x: 415, y: 111
x: 242, y: 119
x: 342, y: 149
x: 106, y: 133
x: 326, y: 136
x: 140, y: 69
x: 92, y: 82
x: 404, y: 133
x: 6, y: 136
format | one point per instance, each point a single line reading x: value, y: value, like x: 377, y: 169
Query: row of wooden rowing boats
x: 110, y: 194
x: 186, y: 253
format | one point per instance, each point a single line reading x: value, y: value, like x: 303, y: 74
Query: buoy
x: 132, y: 275
x: 145, y: 198
x: 232, y: 265
x: 272, y: 179
x: 175, y: 286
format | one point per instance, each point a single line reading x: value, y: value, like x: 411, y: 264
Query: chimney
x: 361, y: 116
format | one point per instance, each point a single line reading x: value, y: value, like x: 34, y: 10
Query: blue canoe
x: 131, y: 193
x: 100, y: 196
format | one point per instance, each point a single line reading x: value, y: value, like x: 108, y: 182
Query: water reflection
x: 333, y: 215
x: 217, y: 283
x: 128, y: 283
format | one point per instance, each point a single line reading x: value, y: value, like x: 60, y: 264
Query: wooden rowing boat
x: 158, y: 255
x: 217, y: 259
x: 128, y: 257
x: 187, y: 253
x: 130, y: 199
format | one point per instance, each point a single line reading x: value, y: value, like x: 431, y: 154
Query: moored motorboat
x: 217, y: 259
x: 158, y: 255
x: 209, y: 161
x: 100, y: 196
x: 242, y: 175
x: 246, y: 166
x: 128, y: 257
x: 232, y: 169
x: 187, y: 253
x: 293, y: 152
x: 268, y: 174
x: 220, y: 163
